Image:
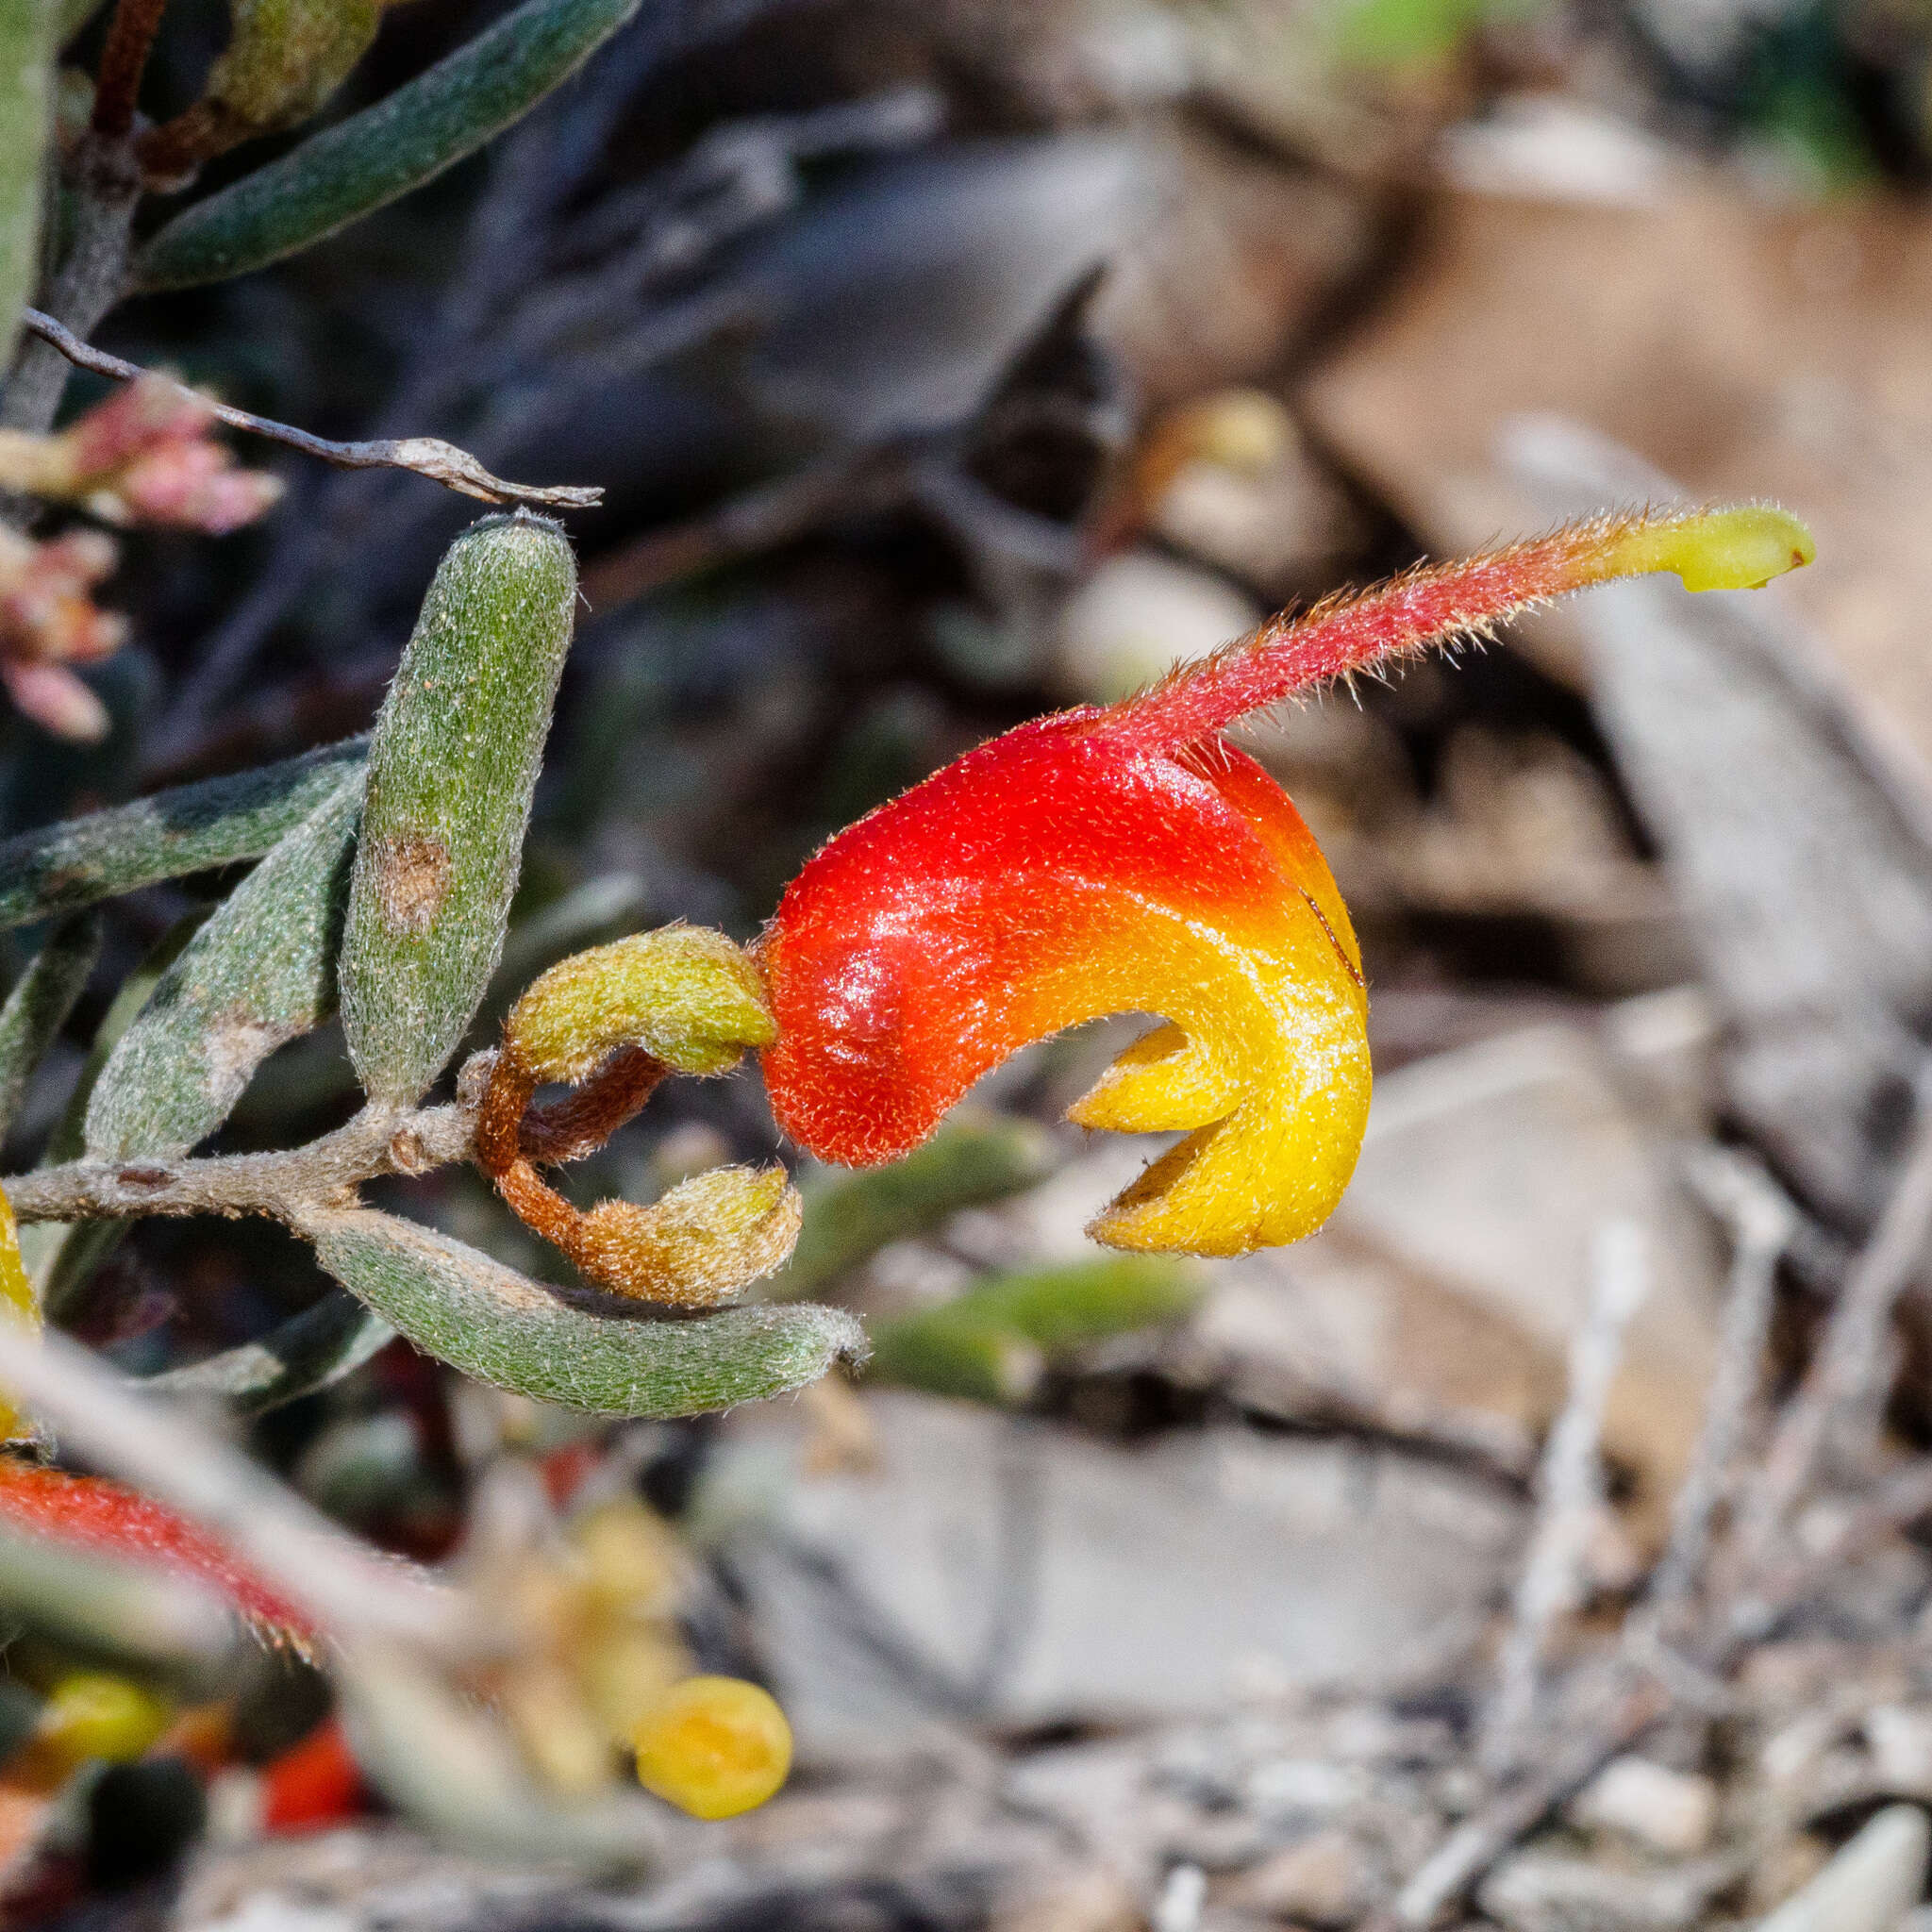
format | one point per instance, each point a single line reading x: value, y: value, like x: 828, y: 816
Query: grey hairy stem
x: 88, y: 283
x: 378, y: 1140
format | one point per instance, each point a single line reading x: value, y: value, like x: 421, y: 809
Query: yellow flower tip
x: 99, y: 1715
x: 1737, y: 549
x: 713, y: 1746
x: 689, y: 997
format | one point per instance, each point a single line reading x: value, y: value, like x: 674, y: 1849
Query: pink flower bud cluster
x: 48, y: 621
x: 144, y: 456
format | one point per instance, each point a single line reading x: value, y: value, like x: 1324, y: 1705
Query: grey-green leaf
x: 80, y: 861
x: 27, y: 76
x: 494, y: 1324
x: 849, y: 1217
x: 39, y: 1003
x: 261, y: 972
x: 324, y: 1342
x: 452, y: 765
x: 364, y: 163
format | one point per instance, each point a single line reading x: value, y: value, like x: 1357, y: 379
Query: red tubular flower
x: 1127, y: 859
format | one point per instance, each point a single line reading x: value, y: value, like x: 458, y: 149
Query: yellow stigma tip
x: 1740, y: 549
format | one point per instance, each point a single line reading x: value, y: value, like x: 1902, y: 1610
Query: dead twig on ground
x: 424, y: 456
x: 1842, y: 1382
x: 1569, y: 1489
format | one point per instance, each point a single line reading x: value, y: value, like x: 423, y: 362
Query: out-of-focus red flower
x: 48, y: 619
x: 143, y: 455
x: 312, y: 1785
x: 1127, y: 859
x: 93, y: 1514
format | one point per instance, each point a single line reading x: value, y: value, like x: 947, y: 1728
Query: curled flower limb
x: 1125, y: 858
x: 613, y: 1022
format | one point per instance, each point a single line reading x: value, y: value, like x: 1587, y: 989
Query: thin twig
x: 1844, y: 1374
x: 1569, y: 1487
x: 426, y: 455
x: 1763, y: 1222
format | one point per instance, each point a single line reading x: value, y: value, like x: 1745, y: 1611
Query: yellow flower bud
x: 714, y: 1747
x: 687, y: 996
x: 96, y: 1714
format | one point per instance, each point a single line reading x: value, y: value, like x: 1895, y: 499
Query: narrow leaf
x: 366, y: 161
x: 38, y: 1004
x: 849, y: 1217
x: 493, y: 1323
x: 56, y: 867
x: 452, y: 765
x: 27, y: 75
x: 61, y: 1255
x: 259, y: 972
x: 324, y: 1342
x: 992, y: 1343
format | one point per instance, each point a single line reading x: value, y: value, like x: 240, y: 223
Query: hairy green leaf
x: 992, y: 1343
x: 324, y: 1342
x: 61, y: 1255
x: 56, y: 867
x: 849, y: 1217
x: 452, y: 765
x: 39, y: 1003
x: 259, y: 972
x: 494, y: 1324
x: 366, y: 161
x: 27, y: 76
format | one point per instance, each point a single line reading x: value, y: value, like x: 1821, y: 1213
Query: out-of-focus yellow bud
x: 687, y: 996
x: 714, y: 1747
x: 17, y: 1304
x: 636, y: 1567
x: 97, y: 1714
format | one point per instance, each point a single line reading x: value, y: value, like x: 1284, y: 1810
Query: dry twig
x: 1843, y: 1377
x: 425, y: 456
x: 1569, y: 1487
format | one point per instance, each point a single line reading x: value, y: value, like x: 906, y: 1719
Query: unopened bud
x: 688, y: 995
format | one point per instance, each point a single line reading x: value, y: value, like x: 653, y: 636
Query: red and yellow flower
x: 1128, y: 859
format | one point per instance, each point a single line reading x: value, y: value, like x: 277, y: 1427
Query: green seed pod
x: 283, y: 60
x: 452, y: 765
x: 364, y: 163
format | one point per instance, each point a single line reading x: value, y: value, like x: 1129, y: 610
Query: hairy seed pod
x: 452, y: 765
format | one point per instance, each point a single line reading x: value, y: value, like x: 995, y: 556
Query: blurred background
x: 945, y: 361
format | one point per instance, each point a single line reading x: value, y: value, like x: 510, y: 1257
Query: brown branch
x: 426, y: 455
x: 375, y: 1143
x: 123, y: 60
